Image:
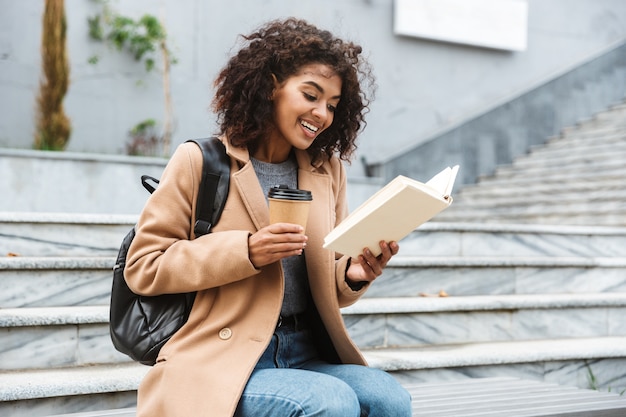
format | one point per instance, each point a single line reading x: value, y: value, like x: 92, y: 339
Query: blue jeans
x: 291, y: 381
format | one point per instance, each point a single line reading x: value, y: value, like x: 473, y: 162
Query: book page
x: 443, y: 181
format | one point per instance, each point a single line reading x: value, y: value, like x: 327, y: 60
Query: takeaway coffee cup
x: 288, y: 205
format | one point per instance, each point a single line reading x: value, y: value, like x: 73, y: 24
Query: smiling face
x: 304, y: 106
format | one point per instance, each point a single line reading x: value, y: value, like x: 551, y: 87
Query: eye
x: 331, y: 108
x: 309, y: 97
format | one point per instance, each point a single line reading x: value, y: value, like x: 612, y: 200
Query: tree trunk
x: 53, y: 126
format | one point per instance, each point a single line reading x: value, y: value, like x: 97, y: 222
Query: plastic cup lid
x: 282, y: 192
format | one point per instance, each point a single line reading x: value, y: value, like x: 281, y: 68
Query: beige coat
x: 203, y: 369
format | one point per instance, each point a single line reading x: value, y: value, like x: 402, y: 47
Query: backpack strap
x: 145, y: 181
x: 214, y: 184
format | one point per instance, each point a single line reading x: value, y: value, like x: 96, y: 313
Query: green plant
x: 593, y: 381
x: 144, y: 139
x: 53, y: 125
x: 591, y: 378
x: 143, y: 38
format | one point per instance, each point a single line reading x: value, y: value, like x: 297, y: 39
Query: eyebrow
x: 319, y: 88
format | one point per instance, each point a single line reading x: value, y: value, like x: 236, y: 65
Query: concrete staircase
x: 533, y: 302
x: 55, y: 351
x: 523, y: 277
x: 576, y: 178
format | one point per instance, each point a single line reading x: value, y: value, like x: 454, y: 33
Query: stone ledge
x: 53, y: 316
x: 496, y: 353
x: 72, y: 381
x: 56, y: 263
x: 496, y: 261
x: 400, y: 261
x: 486, y: 396
x: 16, y: 386
x: 67, y: 218
x: 400, y: 305
x: 83, y: 157
x: 520, y: 228
x: 122, y: 412
x: 511, y: 397
x: 433, y: 226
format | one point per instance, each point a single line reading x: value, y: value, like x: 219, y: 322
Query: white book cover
x: 392, y: 213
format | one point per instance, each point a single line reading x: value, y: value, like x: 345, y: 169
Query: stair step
x: 578, y: 141
x: 546, y: 207
x: 557, y: 178
x: 55, y: 281
x: 568, y: 206
x: 600, y: 131
x: 413, y: 322
x: 608, y: 215
x: 511, y: 397
x: 513, y: 240
x: 561, y: 197
x: 488, y: 191
x: 576, y: 154
x: 496, y: 353
x: 71, y: 383
x: 53, y: 316
x: 611, y: 118
x: 614, y: 167
x: 52, y: 337
x: 62, y: 234
x: 461, y: 276
x: 484, y: 397
x: 77, y: 336
x: 43, y: 383
x: 456, y: 262
x: 513, y: 302
x: 121, y: 412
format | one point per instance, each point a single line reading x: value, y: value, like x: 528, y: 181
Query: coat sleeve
x: 346, y: 295
x: 162, y: 258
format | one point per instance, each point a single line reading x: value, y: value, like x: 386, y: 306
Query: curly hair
x: 280, y: 48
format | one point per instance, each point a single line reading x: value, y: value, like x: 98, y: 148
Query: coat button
x: 225, y: 333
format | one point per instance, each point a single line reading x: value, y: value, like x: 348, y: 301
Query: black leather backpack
x: 141, y: 325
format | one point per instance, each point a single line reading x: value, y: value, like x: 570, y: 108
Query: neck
x: 272, y: 152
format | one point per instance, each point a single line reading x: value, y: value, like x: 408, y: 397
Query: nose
x: 320, y: 112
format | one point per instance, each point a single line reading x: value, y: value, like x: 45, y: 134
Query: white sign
x: 498, y: 24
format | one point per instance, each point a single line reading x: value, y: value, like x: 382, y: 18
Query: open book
x: 392, y: 213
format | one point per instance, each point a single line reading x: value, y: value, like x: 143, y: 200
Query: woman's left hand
x: 368, y: 267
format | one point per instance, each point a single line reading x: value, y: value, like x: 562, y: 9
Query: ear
x: 276, y: 86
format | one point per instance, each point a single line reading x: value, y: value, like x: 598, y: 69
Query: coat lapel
x: 247, y: 186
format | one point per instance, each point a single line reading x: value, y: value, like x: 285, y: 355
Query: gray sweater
x: 294, y: 267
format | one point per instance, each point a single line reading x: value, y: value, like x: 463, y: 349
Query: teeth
x: 309, y: 126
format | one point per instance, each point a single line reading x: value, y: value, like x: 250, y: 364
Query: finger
x: 287, y: 247
x: 279, y: 228
x: 372, y: 262
x: 395, y: 247
x: 285, y: 232
x: 385, y: 251
x: 388, y: 250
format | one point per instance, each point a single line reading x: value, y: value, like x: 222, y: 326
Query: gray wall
x: 493, y: 138
x: 423, y: 86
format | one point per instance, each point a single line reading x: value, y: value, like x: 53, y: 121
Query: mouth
x: 309, y: 127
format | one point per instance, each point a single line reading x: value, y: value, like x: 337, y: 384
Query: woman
x: 265, y: 336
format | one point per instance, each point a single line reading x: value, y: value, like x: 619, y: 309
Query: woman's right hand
x: 275, y: 242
